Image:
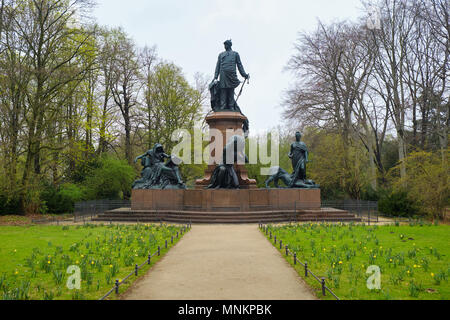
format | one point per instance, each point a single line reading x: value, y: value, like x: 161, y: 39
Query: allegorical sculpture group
x: 157, y: 174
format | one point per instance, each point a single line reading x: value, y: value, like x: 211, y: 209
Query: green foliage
x: 397, y: 204
x: 172, y: 102
x: 426, y: 181
x: 338, y: 167
x: 31, y: 268
x: 62, y: 199
x: 9, y: 204
x: 111, y: 180
x: 413, y: 260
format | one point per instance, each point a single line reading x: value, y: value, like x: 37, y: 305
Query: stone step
x: 234, y: 217
x: 216, y: 219
x: 179, y: 216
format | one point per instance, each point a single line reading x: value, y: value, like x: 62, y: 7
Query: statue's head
x: 228, y: 44
x: 158, y: 148
x: 298, y: 136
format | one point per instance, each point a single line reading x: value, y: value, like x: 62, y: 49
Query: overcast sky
x: 191, y: 34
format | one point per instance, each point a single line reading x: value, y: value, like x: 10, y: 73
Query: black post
x: 166, y: 244
x: 287, y: 250
x: 271, y: 235
x: 323, y: 287
x: 171, y: 240
x: 149, y: 258
x: 159, y: 251
x: 136, y: 270
x: 281, y: 244
x: 275, y: 240
x: 177, y: 234
x: 306, y: 269
x: 117, y: 286
x: 295, y: 258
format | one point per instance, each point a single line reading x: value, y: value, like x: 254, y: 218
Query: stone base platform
x: 226, y: 206
x: 244, y: 200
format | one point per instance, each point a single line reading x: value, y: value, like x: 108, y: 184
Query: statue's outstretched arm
x: 140, y: 157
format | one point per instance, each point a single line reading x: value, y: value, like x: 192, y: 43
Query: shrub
x: 111, y: 180
x: 426, y: 181
x: 60, y: 200
x: 397, y: 204
x: 10, y: 204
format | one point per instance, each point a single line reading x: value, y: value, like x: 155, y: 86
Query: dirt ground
x: 221, y: 262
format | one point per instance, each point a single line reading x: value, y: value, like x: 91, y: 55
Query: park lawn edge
x: 315, y: 286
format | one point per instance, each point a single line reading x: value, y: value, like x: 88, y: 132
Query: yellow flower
x: 92, y: 262
x: 77, y: 262
x: 415, y: 266
x: 110, y: 265
x: 432, y: 274
x: 16, y: 273
x: 340, y: 262
x: 374, y: 257
x: 390, y: 260
x: 49, y: 262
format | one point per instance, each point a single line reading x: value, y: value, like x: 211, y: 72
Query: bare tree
x: 125, y: 82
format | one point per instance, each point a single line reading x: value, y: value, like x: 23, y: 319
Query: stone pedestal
x: 251, y: 200
x: 229, y: 124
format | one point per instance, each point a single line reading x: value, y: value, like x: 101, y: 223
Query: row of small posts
x: 294, y: 255
x: 137, y: 267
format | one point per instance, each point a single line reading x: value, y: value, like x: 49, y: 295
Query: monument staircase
x: 224, y: 217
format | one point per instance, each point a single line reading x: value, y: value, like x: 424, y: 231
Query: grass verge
x: 413, y: 260
x: 34, y: 260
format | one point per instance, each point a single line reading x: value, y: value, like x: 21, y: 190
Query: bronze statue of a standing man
x: 226, y: 69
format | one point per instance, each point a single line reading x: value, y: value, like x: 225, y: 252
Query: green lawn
x: 34, y: 260
x: 414, y: 260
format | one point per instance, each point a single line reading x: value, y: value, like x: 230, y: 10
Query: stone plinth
x: 229, y: 124
x: 226, y: 200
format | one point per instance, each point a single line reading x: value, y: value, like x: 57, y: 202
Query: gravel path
x: 221, y: 262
